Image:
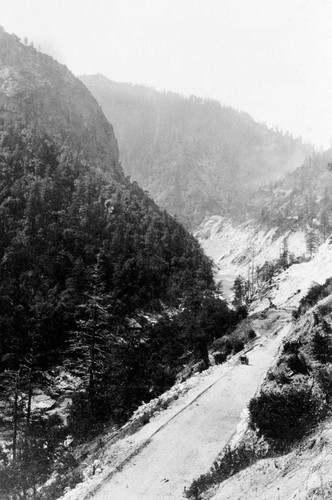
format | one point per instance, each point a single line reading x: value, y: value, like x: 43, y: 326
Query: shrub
x: 231, y: 462
x: 88, y: 414
x: 238, y: 345
x: 324, y: 379
x: 57, y: 488
x: 321, y: 346
x: 315, y: 293
x: 298, y: 363
x: 145, y: 419
x: 325, y: 309
x: 228, y: 347
x: 270, y: 375
x: 280, y: 374
x: 220, y: 357
x: 241, y: 313
x: 165, y: 404
x: 291, y: 347
x: 295, y: 314
x: 286, y: 414
x: 294, y: 358
x: 252, y: 334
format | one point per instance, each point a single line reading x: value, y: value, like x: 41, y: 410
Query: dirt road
x: 187, y: 445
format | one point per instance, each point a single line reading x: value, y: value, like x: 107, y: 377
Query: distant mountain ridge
x: 196, y: 157
x: 300, y: 200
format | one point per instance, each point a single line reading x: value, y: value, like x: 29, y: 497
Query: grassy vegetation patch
x: 228, y: 464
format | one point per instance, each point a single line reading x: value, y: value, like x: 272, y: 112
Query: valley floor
x: 186, y: 445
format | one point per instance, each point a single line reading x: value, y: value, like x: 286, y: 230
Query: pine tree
x: 29, y: 368
x: 239, y: 289
x: 284, y: 253
x: 11, y: 380
x: 311, y: 239
x: 94, y: 334
x: 325, y: 222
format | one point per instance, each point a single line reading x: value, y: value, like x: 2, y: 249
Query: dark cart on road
x: 244, y: 359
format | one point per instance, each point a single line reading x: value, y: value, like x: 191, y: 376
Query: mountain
x: 196, y: 157
x: 35, y: 89
x: 103, y: 295
x: 106, y: 299
x: 300, y: 200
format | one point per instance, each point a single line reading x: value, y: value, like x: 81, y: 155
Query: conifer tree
x: 284, y: 253
x: 239, y: 288
x: 94, y: 333
x: 311, y: 240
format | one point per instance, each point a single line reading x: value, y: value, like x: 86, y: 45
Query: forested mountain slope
x: 85, y: 257
x: 196, y: 157
x: 286, y: 222
x: 302, y: 199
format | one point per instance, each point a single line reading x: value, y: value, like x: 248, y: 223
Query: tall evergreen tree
x: 312, y: 241
x: 239, y: 289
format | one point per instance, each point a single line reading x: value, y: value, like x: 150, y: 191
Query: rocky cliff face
x: 35, y: 89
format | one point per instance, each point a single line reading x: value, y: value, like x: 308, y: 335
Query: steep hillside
x: 160, y: 459
x: 284, y: 452
x: 257, y: 470
x: 103, y: 296
x: 196, y: 157
x: 302, y: 474
x: 36, y: 90
x: 242, y: 249
x: 301, y: 200
x: 292, y: 216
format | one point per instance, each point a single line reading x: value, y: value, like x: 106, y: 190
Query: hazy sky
x: 271, y: 58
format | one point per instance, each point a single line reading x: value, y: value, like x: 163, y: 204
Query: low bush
x: 293, y: 360
x: 325, y: 309
x: 321, y: 345
x: 270, y: 375
x: 241, y: 313
x: 231, y: 462
x: 280, y: 374
x: 295, y: 314
x: 298, y: 363
x: 57, y: 488
x: 146, y: 418
x: 286, y: 414
x: 323, y: 376
x: 88, y: 415
x: 314, y: 294
x: 220, y: 357
x: 252, y: 334
x: 237, y: 345
x: 291, y: 347
x: 228, y: 346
